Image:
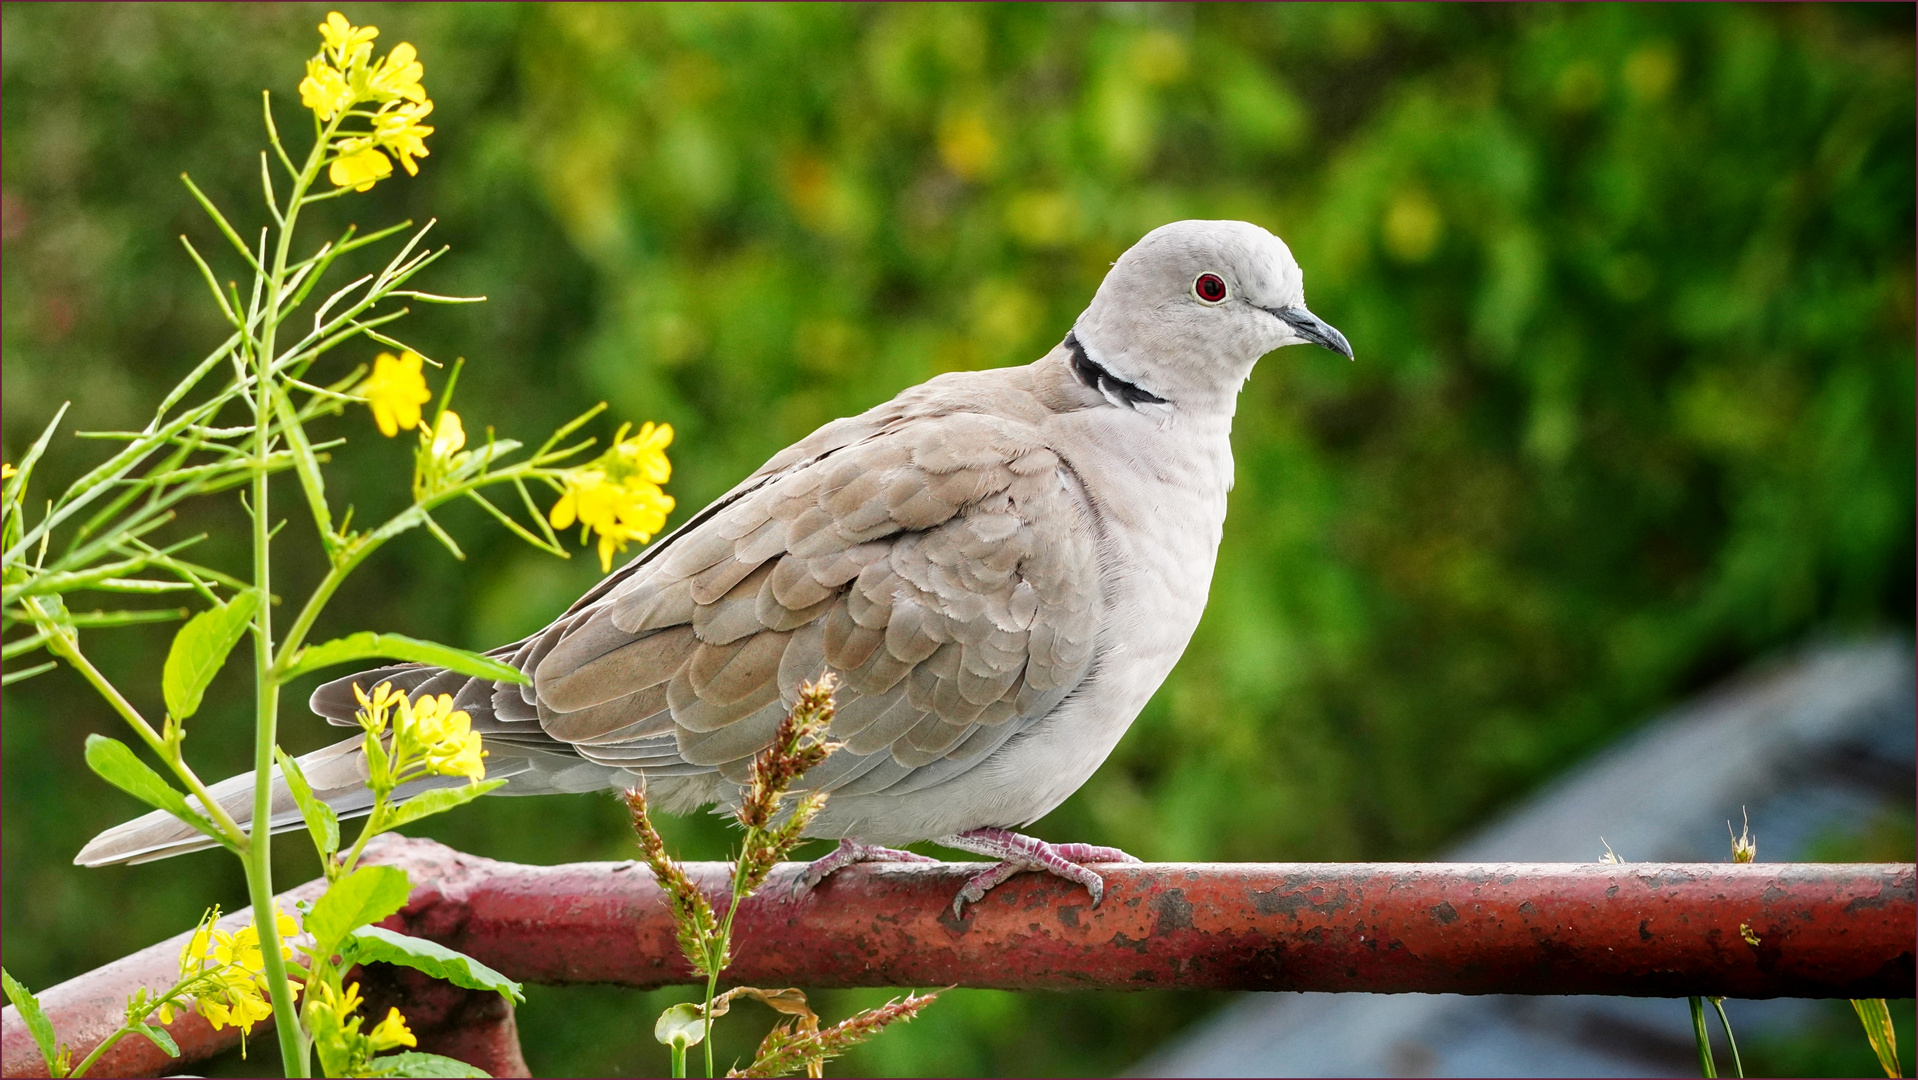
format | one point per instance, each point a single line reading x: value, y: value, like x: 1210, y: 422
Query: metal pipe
x: 1638, y: 929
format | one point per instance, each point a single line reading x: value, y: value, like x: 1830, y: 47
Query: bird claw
x: 1019, y: 853
x: 846, y: 854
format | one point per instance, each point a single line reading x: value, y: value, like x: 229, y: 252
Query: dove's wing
x: 944, y: 565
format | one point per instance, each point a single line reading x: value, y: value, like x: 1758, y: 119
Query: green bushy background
x: 1631, y: 290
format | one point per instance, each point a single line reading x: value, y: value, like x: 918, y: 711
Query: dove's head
x: 1187, y: 311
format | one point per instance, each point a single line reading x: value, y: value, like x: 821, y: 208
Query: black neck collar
x: 1105, y: 383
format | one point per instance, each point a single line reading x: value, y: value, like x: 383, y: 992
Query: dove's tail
x: 336, y: 774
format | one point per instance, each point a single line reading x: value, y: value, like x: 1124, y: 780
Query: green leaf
x: 364, y: 896
x: 366, y: 644
x: 24, y: 471
x: 117, y: 765
x: 413, y: 1063
x: 1876, y: 1016
x: 428, y: 803
x: 37, y: 1021
x: 305, y: 463
x: 160, y: 1038
x: 321, y: 821
x: 373, y: 944
x: 199, y: 650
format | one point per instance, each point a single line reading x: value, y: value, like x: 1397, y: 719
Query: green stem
x: 353, y: 554
x: 712, y: 985
x: 1706, y: 1066
x: 725, y: 941
x: 367, y: 832
x: 349, y: 558
x: 87, y: 1063
x: 679, y: 1060
x: 106, y: 1044
x: 259, y: 866
x: 1738, y: 1065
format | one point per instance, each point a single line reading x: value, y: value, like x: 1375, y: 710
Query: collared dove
x: 1002, y: 566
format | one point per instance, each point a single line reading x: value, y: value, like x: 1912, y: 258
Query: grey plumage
x: 1002, y: 566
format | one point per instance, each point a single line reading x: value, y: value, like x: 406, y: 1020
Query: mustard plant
x: 211, y: 435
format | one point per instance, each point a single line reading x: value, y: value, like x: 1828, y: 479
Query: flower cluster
x: 618, y: 495
x: 344, y: 1051
x: 430, y: 737
x: 226, y: 972
x: 343, y: 75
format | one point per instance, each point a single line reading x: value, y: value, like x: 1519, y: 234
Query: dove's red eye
x: 1209, y: 288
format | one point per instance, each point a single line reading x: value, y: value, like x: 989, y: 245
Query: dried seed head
x: 693, y: 922
x: 1744, y: 848
x: 785, y: 1051
x: 798, y: 745
x: 766, y: 848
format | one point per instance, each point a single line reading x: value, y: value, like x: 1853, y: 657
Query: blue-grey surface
x: 1809, y: 746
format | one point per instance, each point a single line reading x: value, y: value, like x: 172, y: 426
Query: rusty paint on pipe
x: 1646, y: 930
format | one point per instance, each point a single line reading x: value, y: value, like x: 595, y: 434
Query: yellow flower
x: 7, y: 471
x: 194, y: 951
x: 395, y: 391
x: 324, y: 90
x: 398, y: 130
x: 373, y: 709
x: 449, y: 436
x: 232, y: 971
x: 239, y: 950
x: 441, y: 736
x: 618, y: 496
x: 343, y: 38
x: 344, y: 1006
x: 398, y: 75
x: 460, y: 756
x: 645, y: 453
x: 359, y: 166
x: 241, y: 1009
x: 618, y: 512
x: 342, y: 76
x: 391, y: 1032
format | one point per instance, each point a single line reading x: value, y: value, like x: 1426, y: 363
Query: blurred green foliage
x: 1631, y: 289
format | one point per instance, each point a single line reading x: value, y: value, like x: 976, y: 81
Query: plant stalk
x: 1738, y: 1064
x: 1706, y: 1067
x: 259, y: 866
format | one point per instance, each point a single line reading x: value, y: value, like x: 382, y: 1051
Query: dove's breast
x: 1159, y: 494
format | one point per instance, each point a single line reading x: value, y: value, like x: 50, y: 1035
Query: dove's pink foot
x: 1019, y: 853
x: 847, y: 853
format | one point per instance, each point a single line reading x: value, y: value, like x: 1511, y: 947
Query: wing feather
x: 945, y: 564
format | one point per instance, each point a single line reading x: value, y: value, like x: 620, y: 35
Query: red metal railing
x: 1648, y: 930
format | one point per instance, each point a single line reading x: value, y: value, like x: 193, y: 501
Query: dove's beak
x: 1313, y: 329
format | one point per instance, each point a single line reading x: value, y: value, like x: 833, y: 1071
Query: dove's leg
x: 847, y: 853
x: 1018, y: 853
